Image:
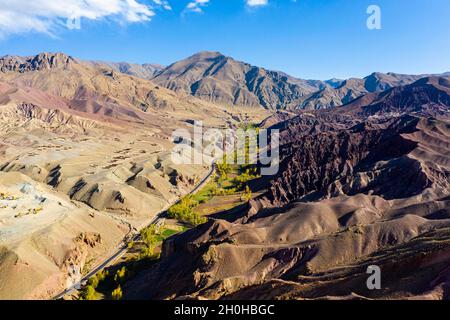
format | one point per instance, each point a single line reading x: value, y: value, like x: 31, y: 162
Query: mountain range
x: 85, y: 163
x: 216, y: 78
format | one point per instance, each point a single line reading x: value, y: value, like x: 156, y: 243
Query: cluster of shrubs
x: 90, y: 290
x: 184, y: 212
x: 224, y: 191
x: 246, y: 174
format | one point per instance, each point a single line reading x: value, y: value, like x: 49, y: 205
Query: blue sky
x: 314, y: 39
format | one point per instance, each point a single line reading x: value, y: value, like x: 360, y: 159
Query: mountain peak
x: 41, y: 61
x: 207, y: 55
x: 217, y: 78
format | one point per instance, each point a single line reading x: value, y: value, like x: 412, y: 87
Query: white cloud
x: 46, y: 16
x: 163, y: 3
x: 256, y: 3
x: 196, y: 5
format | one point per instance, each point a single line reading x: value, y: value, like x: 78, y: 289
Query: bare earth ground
x: 374, y: 194
x: 83, y: 163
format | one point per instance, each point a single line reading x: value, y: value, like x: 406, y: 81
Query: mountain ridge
x: 220, y: 79
x: 215, y: 77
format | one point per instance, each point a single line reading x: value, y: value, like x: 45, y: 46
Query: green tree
x: 101, y: 275
x: 117, y: 293
x: 214, y: 190
x: 149, y: 236
x: 247, y: 194
x: 223, y: 170
x: 93, y: 281
x: 120, y: 275
x: 88, y: 293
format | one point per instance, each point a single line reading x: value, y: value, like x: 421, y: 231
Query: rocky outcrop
x: 42, y: 61
x: 333, y: 163
x: 76, y: 258
x: 89, y: 238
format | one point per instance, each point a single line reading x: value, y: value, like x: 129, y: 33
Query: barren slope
x: 84, y: 161
x: 214, y: 77
x: 351, y: 192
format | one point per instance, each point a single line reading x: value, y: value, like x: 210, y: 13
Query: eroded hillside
x: 84, y: 163
x: 352, y: 191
